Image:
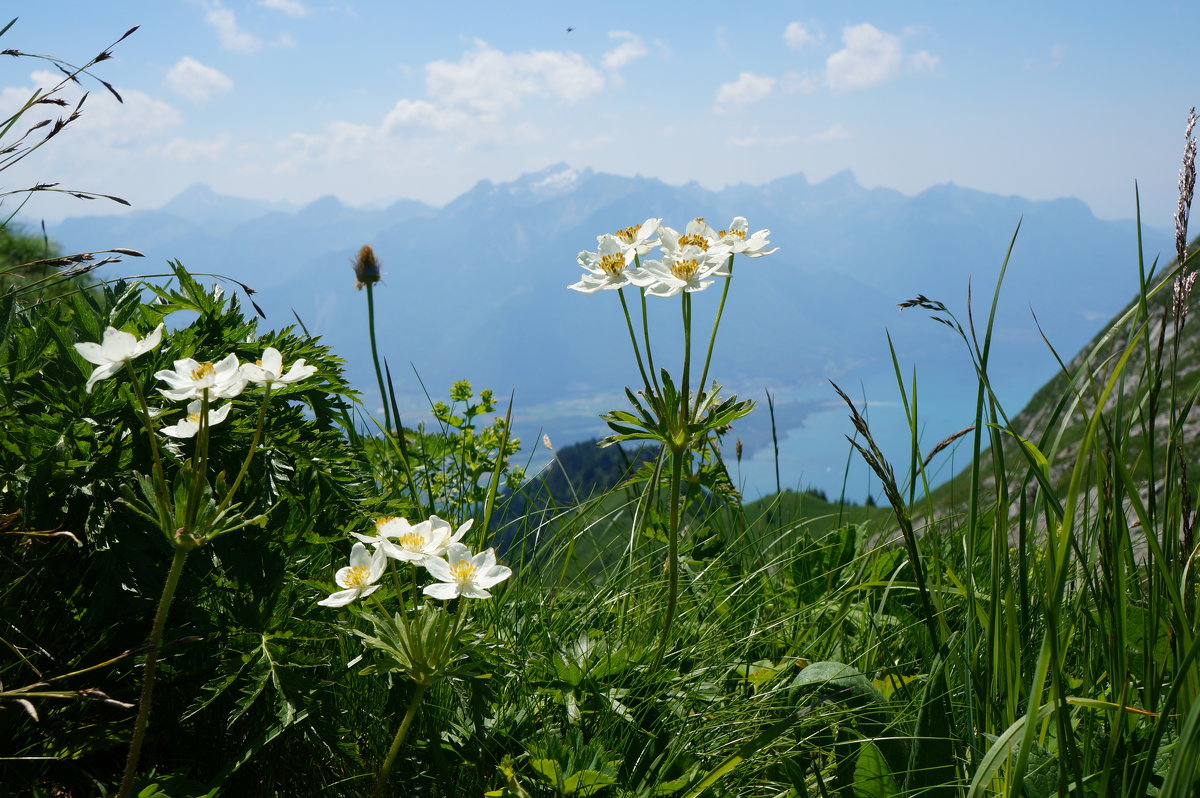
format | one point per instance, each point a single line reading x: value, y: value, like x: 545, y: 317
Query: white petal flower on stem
x: 189, y: 380
x: 414, y: 543
x: 637, y: 241
x: 269, y: 370
x: 687, y: 268
x: 736, y: 240
x: 358, y: 578
x: 189, y: 425
x: 697, y: 234
x: 607, y: 267
x: 115, y: 350
x: 461, y: 574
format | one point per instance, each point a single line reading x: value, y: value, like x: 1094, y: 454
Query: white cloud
x: 224, y: 22
x: 801, y: 82
x: 748, y: 88
x: 1058, y: 52
x: 196, y: 81
x: 869, y: 57
x: 292, y: 8
x: 591, y: 143
x: 490, y: 82
x: 721, y: 38
x: 630, y: 49
x: 468, y: 99
x: 107, y: 123
x: 419, y: 113
x: 798, y: 35
x: 762, y: 141
x: 924, y: 61
x: 835, y: 132
x: 191, y: 150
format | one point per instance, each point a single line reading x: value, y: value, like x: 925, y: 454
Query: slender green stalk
x: 199, y: 463
x: 398, y: 740
x: 159, y: 475
x: 646, y: 343
x: 150, y: 667
x: 387, y: 418
x: 712, y: 339
x: 258, y: 430
x: 637, y: 352
x: 677, y: 456
x: 684, y: 387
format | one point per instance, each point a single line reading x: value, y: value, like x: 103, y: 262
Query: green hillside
x: 1055, y: 419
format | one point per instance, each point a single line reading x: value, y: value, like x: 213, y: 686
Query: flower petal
x: 339, y: 599
x: 441, y: 590
x: 100, y: 373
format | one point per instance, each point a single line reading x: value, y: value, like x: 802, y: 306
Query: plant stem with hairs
x: 366, y: 270
x: 398, y: 740
x: 151, y: 664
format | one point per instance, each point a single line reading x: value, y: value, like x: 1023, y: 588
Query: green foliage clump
x: 84, y: 571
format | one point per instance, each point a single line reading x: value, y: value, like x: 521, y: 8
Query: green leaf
x: 586, y: 782
x: 872, y: 777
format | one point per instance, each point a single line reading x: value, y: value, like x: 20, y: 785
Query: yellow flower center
x: 685, y: 269
x: 379, y: 522
x: 695, y: 241
x: 735, y: 233
x: 613, y: 265
x: 202, y: 371
x: 413, y: 541
x: 462, y: 571
x: 194, y: 418
x: 627, y: 234
x: 358, y: 576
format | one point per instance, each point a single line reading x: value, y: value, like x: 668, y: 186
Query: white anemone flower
x: 115, y: 350
x: 461, y: 574
x: 637, y: 241
x: 358, y: 578
x: 414, y: 543
x: 189, y: 425
x: 269, y: 370
x: 698, y: 234
x: 689, y: 268
x: 753, y: 246
x: 608, y: 267
x: 190, y: 379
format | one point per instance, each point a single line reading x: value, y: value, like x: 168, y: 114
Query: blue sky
x: 373, y: 101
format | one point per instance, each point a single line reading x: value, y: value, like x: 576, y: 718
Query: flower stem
x: 646, y: 339
x: 199, y: 466
x: 716, y: 323
x: 637, y: 352
x: 677, y: 456
x: 398, y: 740
x: 383, y: 397
x: 150, y: 667
x: 159, y: 474
x: 258, y: 430
x: 684, y: 409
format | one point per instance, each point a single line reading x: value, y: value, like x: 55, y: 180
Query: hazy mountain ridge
x: 476, y: 288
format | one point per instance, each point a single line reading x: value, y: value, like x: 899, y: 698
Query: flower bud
x: 366, y: 267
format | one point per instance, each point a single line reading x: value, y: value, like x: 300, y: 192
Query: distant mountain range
x: 477, y: 289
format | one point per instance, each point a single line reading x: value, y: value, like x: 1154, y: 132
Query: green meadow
x: 222, y: 575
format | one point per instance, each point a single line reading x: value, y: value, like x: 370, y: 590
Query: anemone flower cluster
x: 432, y: 544
x: 197, y: 383
x: 689, y: 260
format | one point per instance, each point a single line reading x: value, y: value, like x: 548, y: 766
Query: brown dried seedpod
x: 366, y: 267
